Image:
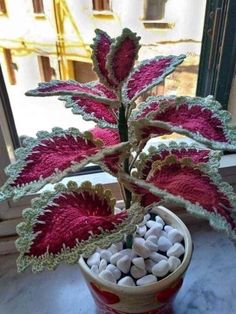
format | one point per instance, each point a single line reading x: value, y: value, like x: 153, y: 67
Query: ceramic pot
x: 154, y: 298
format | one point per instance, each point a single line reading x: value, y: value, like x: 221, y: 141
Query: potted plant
x: 71, y: 222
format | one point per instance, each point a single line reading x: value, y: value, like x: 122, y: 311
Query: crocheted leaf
x: 101, y: 49
x: 148, y: 74
x: 92, y: 110
x: 50, y: 157
x: 143, y: 109
x: 111, y: 163
x: 179, y: 150
x: 197, y: 187
x: 92, y: 90
x: 122, y: 55
x: 69, y: 222
x: 199, y: 118
x: 109, y: 137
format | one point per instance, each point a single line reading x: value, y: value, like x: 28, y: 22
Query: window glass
x: 101, y: 5
x: 38, y: 6
x: 3, y: 9
x: 34, y: 50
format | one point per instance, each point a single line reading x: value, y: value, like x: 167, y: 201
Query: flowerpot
x: 154, y: 298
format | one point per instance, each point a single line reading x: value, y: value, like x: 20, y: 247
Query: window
x: 154, y: 9
x: 47, y: 73
x: 9, y: 66
x: 155, y: 15
x: 3, y: 9
x: 81, y: 71
x: 38, y: 6
x: 101, y: 5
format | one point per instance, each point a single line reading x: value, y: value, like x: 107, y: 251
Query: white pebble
x: 113, y: 249
x: 176, y: 250
x: 137, y: 272
x: 105, y: 254
x: 94, y: 269
x: 102, y: 265
x: 107, y: 275
x: 128, y: 252
x: 139, y: 262
x: 114, y: 270
x: 94, y: 259
x: 157, y: 257
x: 164, y: 244
x: 99, y: 250
x: 126, y: 281
x: 167, y: 228
x: 124, y: 264
x: 164, y: 234
x: 147, y: 217
x: 140, y: 248
x: 117, y: 210
x: 161, y: 268
x: 150, y: 223
x: 159, y: 220
x: 155, y: 230
x: 116, y: 247
x: 175, y: 236
x: 149, y: 264
x: 146, y: 280
x: 174, y: 262
x: 142, y: 230
x: 151, y: 243
x: 115, y: 257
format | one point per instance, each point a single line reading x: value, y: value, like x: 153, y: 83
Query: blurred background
x: 41, y: 40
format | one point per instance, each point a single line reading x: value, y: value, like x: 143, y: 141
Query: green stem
x: 123, y: 132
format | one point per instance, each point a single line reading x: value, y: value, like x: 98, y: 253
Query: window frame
x: 218, y: 53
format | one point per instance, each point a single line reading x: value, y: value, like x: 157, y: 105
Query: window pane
x: 57, y: 47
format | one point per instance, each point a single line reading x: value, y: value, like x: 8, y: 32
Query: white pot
x: 154, y: 298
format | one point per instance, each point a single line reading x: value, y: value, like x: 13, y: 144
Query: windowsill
x: 103, y: 14
x: 160, y: 24
x: 40, y: 16
x: 94, y: 178
x: 4, y: 14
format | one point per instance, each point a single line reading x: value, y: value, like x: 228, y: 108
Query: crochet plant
x: 73, y: 220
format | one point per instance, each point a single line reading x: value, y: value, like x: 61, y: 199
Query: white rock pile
x: 157, y: 251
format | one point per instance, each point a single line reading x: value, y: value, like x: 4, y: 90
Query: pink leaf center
x: 73, y: 217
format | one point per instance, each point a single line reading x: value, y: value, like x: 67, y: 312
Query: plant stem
x: 123, y: 132
x: 134, y: 159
